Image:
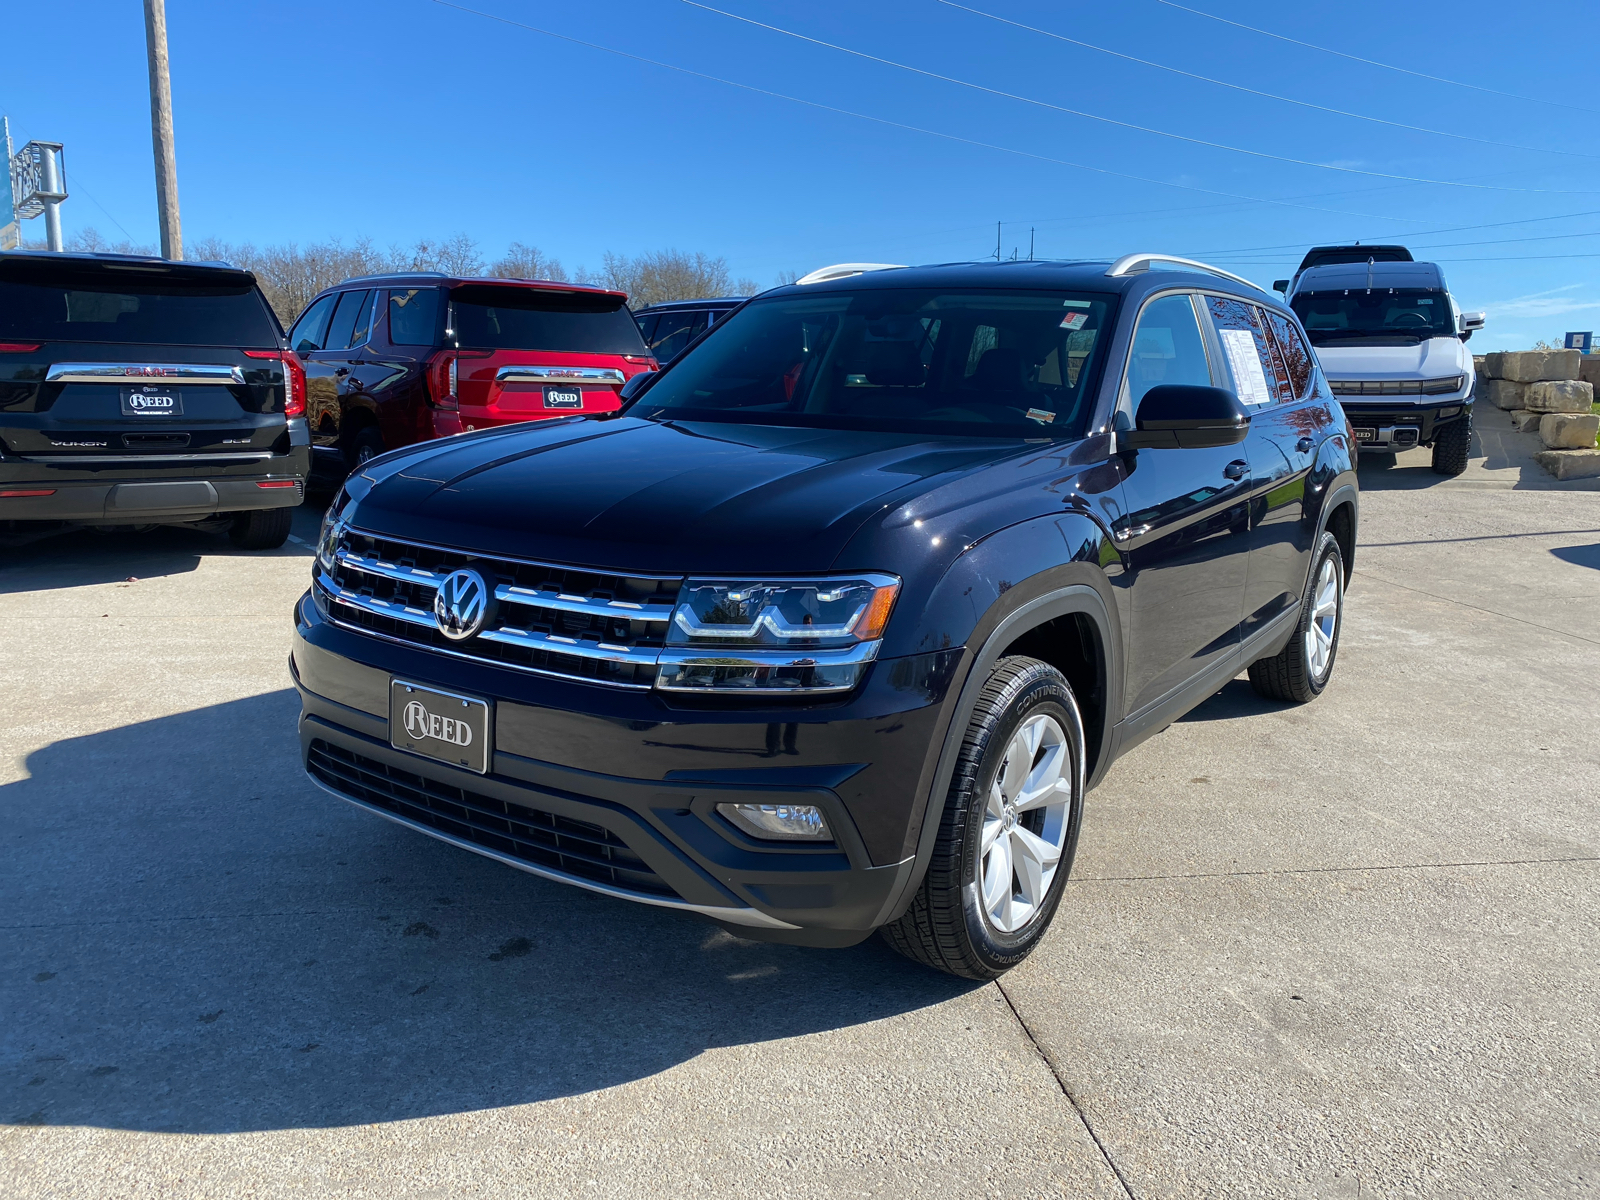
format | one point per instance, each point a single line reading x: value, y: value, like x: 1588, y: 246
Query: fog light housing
x: 778, y: 822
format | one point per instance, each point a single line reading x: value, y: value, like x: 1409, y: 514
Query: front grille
x: 578, y: 848
x: 558, y: 620
x: 1442, y: 386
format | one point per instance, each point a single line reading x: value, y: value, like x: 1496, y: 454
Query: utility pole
x: 997, y: 241
x: 1030, y: 243
x: 155, y: 38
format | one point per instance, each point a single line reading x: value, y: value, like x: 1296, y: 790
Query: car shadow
x: 197, y: 940
x: 82, y: 557
x: 1581, y: 556
x: 1236, y: 699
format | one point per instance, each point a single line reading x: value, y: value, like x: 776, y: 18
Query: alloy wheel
x: 1324, y: 620
x: 1025, y: 823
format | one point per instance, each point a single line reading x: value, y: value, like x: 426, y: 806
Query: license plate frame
x: 137, y: 402
x: 1366, y: 435
x: 428, y: 721
x: 559, y: 396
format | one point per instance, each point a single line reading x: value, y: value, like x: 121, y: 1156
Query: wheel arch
x: 1070, y: 624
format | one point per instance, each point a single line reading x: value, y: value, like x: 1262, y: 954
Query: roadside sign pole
x: 50, y: 169
x: 155, y: 36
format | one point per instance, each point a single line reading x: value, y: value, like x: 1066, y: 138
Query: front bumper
x: 1397, y: 427
x: 616, y: 791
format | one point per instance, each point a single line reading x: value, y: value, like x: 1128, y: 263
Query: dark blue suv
x: 830, y: 628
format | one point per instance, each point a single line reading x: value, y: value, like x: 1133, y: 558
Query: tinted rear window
x: 42, y: 302
x: 513, y: 318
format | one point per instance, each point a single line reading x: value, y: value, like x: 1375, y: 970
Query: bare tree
x: 666, y: 275
x: 521, y: 261
x: 746, y: 287
x: 787, y: 277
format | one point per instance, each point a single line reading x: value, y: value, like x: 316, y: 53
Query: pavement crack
x: 1061, y: 1083
x: 1493, y: 612
x: 1483, y: 537
x: 1429, y: 866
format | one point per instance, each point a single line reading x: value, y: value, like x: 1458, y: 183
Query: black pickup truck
x: 136, y: 391
x: 830, y: 629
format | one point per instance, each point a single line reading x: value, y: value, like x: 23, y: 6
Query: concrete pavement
x: 1340, y: 950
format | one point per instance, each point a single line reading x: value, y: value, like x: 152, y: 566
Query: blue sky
x: 298, y: 121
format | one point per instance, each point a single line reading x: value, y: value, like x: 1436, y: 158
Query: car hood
x: 1424, y: 360
x: 653, y: 497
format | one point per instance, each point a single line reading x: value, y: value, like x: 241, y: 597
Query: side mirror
x: 1186, y: 416
x: 1281, y: 285
x: 637, y: 384
x: 1471, y: 322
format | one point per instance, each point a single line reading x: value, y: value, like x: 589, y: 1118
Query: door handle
x: 1236, y: 469
x: 1304, y: 445
x: 341, y: 371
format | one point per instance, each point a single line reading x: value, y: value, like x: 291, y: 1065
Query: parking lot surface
x: 1342, y: 950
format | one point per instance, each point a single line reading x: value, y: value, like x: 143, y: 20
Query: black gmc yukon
x: 137, y: 391
x: 833, y: 626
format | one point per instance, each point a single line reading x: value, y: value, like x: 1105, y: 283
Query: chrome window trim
x: 126, y: 372
x: 607, y: 376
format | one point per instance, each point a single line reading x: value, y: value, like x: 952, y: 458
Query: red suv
x: 396, y: 359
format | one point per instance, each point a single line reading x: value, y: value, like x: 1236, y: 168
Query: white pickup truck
x: 1391, y: 343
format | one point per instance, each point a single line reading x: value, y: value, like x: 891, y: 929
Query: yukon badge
x: 462, y: 605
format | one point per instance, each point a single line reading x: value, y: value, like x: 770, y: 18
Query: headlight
x: 334, y: 523
x: 775, y: 635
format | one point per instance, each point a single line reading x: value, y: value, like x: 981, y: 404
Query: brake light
x: 442, y: 378
x: 27, y: 492
x: 648, y: 360
x: 275, y: 483
x: 294, y: 379
x: 18, y: 347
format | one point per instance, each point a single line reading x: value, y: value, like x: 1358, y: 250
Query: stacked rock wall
x: 1551, y: 393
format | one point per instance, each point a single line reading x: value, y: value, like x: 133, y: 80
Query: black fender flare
x: 1074, y: 598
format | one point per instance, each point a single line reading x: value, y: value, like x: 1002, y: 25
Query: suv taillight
x: 442, y: 381
x: 294, y: 379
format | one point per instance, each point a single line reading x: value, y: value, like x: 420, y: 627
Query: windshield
x: 496, y: 317
x: 1403, y: 315
x: 94, y: 304
x: 986, y: 363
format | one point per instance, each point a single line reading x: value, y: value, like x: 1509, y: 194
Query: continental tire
x: 263, y: 529
x: 1300, y: 671
x: 1008, y: 832
x: 1451, y: 446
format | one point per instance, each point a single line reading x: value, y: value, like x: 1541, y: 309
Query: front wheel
x: 1451, y: 445
x: 1302, y: 669
x: 1008, y: 832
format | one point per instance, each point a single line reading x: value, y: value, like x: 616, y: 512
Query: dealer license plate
x: 1366, y: 435
x: 445, y: 726
x: 137, y: 402
x: 563, y: 397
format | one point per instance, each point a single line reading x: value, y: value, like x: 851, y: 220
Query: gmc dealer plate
x: 452, y: 728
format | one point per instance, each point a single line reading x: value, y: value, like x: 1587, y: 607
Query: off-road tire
x: 262, y: 528
x: 1451, y: 446
x: 944, y: 927
x: 367, y: 444
x: 1288, y: 674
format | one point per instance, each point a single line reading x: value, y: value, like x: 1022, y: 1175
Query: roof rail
x: 392, y: 274
x: 1133, y: 264
x: 845, y: 270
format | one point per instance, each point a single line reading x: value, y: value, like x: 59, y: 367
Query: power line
x: 1257, y: 92
x: 747, y: 87
x: 1593, y: 212
x: 1372, y: 62
x: 1076, y: 112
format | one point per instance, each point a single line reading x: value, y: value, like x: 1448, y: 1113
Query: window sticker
x: 1248, y: 376
x: 1042, y: 415
x: 1074, y: 321
x: 1075, y: 304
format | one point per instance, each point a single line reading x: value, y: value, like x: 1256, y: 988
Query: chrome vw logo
x: 462, y: 604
